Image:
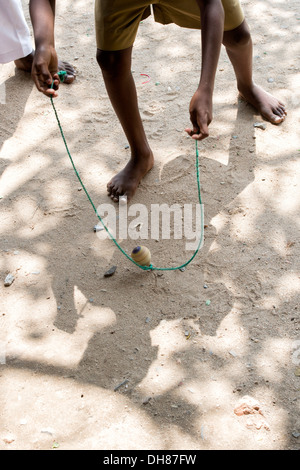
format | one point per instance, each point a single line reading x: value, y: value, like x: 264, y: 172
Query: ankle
x: 140, y: 152
x: 142, y: 158
x: 246, y: 88
x: 25, y: 63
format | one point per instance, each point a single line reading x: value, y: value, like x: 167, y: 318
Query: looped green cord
x: 144, y: 268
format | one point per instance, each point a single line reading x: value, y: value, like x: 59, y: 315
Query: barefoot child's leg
x: 238, y: 45
x: 116, y: 71
x: 116, y: 28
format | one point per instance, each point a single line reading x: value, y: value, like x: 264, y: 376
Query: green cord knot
x: 62, y: 75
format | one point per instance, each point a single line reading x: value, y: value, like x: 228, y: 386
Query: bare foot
x: 267, y: 105
x: 126, y: 182
x: 25, y: 63
x: 71, y: 74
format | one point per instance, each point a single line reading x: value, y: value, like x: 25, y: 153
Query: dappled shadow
x: 14, y: 95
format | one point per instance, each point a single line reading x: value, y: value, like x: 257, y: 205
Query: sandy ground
x: 152, y: 360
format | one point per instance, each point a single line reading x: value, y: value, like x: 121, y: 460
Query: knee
x: 113, y: 63
x: 238, y: 37
x: 106, y: 61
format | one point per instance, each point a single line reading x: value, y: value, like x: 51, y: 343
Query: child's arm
x: 45, y: 64
x: 212, y: 27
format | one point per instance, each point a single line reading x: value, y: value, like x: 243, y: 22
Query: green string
x: 145, y: 268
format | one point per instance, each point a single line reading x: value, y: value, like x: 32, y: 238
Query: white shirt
x: 15, y: 39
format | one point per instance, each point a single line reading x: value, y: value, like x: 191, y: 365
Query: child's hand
x: 200, y: 114
x: 44, y: 71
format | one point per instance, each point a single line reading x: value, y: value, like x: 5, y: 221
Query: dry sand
x: 69, y: 336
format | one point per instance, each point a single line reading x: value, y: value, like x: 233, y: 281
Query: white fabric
x: 15, y: 39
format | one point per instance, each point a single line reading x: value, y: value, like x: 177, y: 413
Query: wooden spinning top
x: 141, y: 255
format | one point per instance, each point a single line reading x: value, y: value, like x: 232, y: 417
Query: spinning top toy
x: 141, y: 255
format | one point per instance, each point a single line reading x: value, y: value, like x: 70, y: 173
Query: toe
x: 276, y: 118
x: 282, y: 110
x: 69, y: 68
x: 274, y: 114
x: 110, y: 187
x: 71, y: 73
x: 113, y: 191
x: 69, y: 79
x: 114, y: 197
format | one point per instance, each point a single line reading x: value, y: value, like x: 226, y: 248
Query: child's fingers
x: 197, y: 134
x: 44, y: 81
x: 189, y: 131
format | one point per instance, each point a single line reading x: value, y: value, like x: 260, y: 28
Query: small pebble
x: 9, y: 280
x: 260, y: 125
x: 110, y: 272
x: 98, y: 228
x: 202, y: 433
x: 207, y: 302
x: 146, y: 400
x: 120, y: 385
x: 47, y: 431
x: 2, y: 354
x: 297, y: 372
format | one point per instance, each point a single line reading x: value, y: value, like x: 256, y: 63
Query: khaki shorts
x: 117, y: 21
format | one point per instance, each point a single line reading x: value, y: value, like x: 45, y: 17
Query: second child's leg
x: 120, y: 86
x: 238, y: 44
